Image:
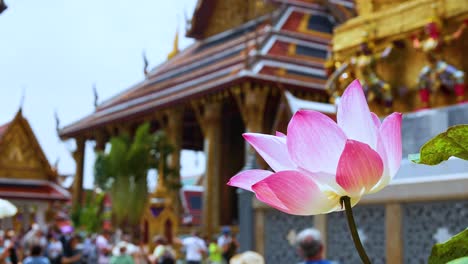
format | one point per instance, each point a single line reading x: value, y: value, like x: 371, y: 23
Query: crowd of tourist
x: 57, y: 246
x: 65, y: 246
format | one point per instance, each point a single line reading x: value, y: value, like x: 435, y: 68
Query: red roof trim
x: 32, y: 190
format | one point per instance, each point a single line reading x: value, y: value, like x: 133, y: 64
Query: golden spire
x: 161, y: 190
x: 175, y: 47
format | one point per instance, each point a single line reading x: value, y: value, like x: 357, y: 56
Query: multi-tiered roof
x: 287, y: 47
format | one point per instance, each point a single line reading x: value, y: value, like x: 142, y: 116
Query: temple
x: 26, y: 177
x: 253, y: 64
x: 230, y: 81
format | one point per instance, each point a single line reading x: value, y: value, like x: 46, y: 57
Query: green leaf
x: 453, y: 249
x: 122, y: 172
x: 463, y: 260
x: 453, y: 142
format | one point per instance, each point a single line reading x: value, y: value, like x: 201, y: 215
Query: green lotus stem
x: 346, y: 201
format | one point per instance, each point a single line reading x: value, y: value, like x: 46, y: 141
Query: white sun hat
x: 248, y: 257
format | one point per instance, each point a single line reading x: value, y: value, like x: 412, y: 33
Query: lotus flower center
x: 331, y: 195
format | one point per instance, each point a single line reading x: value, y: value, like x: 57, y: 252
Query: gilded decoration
x: 437, y: 73
x: 21, y: 157
x: 402, y: 24
x: 362, y: 65
x: 394, y: 23
x: 251, y: 100
x: 231, y: 14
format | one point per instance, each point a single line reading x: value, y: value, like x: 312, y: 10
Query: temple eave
x: 97, y: 120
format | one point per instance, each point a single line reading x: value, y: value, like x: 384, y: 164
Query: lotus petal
x: 293, y: 193
x: 389, y: 149
x: 245, y: 179
x: 359, y: 169
x: 376, y: 121
x: 354, y: 117
x: 315, y: 141
x: 272, y: 149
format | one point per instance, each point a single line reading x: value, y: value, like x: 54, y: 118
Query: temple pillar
x: 100, y: 140
x: 251, y: 101
x: 124, y: 129
x: 78, y: 156
x: 171, y: 121
x: 393, y: 233
x: 260, y: 231
x: 210, y: 123
x: 320, y: 223
x: 161, y: 190
x: 174, y: 131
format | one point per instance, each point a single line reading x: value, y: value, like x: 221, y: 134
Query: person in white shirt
x: 54, y: 249
x: 104, y: 248
x: 195, y: 248
x: 163, y: 253
x: 227, y: 243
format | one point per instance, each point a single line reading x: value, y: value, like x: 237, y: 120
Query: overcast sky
x: 54, y: 50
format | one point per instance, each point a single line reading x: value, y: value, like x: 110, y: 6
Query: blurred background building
x: 252, y: 65
x: 26, y: 177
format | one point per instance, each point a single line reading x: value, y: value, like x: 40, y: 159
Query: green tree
x: 163, y: 149
x: 90, y: 213
x: 122, y: 171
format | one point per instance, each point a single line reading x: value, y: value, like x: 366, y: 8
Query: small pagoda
x: 160, y: 217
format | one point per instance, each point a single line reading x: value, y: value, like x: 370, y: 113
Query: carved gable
x: 215, y: 16
x: 230, y: 14
x: 21, y: 156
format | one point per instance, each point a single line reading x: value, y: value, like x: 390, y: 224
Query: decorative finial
x: 175, y: 47
x: 96, y: 96
x: 145, y: 63
x: 23, y: 95
x: 188, y: 21
x: 57, y: 122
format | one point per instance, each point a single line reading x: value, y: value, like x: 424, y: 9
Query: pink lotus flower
x: 320, y: 161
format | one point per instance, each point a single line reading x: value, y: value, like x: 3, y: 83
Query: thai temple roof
x: 32, y: 190
x: 286, y: 47
x: 25, y: 172
x: 3, y: 129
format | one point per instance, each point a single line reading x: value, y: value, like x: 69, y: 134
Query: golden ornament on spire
x: 175, y: 47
